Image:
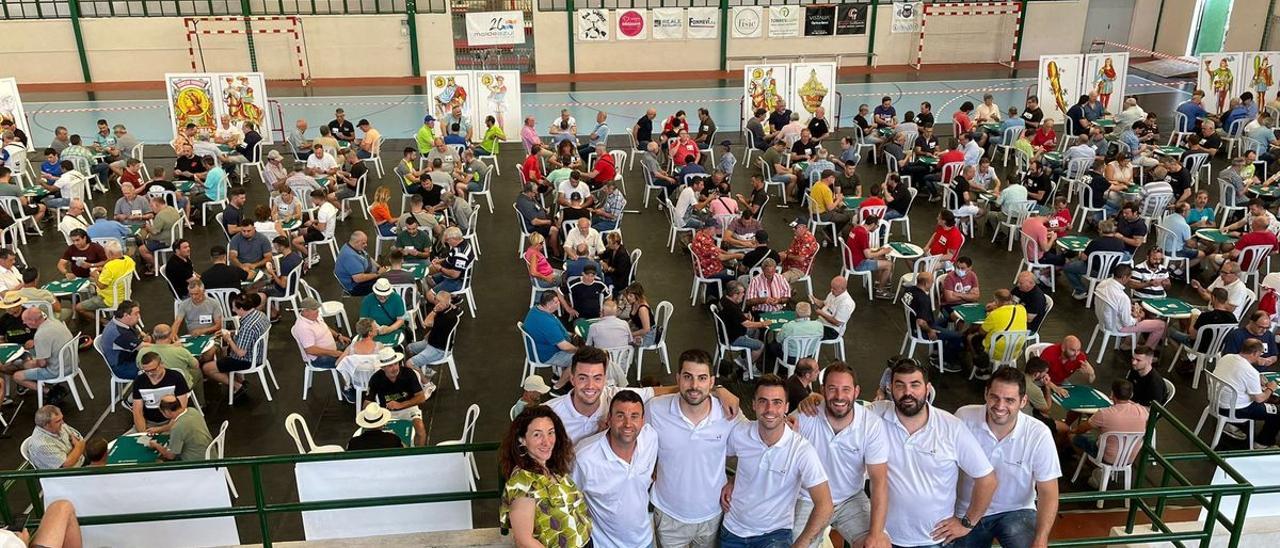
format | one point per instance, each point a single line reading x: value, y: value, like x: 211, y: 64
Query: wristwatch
x: 964, y: 520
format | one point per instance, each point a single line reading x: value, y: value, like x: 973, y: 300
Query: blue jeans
x: 1075, y: 271
x: 325, y: 362
x: 1262, y: 412
x: 747, y: 342
x: 891, y: 214
x: 423, y: 354
x: 445, y: 283
x: 101, y: 169
x: 1016, y: 528
x: 780, y: 538
x: 125, y: 370
x: 475, y: 186
x: 362, y: 153
x: 603, y: 225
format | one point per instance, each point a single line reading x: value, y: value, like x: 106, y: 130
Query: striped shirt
x: 762, y: 287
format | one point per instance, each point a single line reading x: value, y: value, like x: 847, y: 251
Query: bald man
x: 1067, y: 361
x: 1029, y: 294
x: 834, y: 310
x: 43, y: 360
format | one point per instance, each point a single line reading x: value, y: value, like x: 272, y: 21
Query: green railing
x: 1149, y: 498
x: 263, y: 510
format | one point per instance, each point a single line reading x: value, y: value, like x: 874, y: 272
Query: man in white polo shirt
x: 614, y: 469
x: 582, y: 408
x: 1022, y: 451
x: 1251, y: 391
x: 774, y: 464
x: 928, y: 449
x: 834, y: 310
x: 693, y: 432
x: 851, y: 444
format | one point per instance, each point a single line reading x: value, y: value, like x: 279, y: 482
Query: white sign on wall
x: 906, y: 17
x: 784, y: 21
x: 1059, y: 84
x: 201, y: 98
x: 1105, y: 73
x: 633, y: 24
x: 668, y: 23
x: 704, y: 23
x: 747, y: 21
x: 593, y: 25
x: 489, y: 28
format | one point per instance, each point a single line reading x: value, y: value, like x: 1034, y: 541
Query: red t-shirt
x: 962, y: 121
x: 605, y: 169
x: 1060, y: 221
x: 683, y: 152
x: 1257, y: 238
x: 1061, y: 368
x: 946, y: 241
x: 532, y: 169
x: 950, y: 156
x: 1042, y: 138
x: 858, y: 241
x: 133, y: 179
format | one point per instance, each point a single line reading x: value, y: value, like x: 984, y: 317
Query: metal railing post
x: 73, y: 8
x: 871, y: 32
x: 246, y: 11
x: 411, y: 22
x: 724, y: 34
x: 568, y: 12
x: 260, y: 501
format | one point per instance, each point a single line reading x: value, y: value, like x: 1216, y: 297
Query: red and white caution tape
x: 1156, y: 54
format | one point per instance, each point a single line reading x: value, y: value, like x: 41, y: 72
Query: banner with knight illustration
x: 1105, y: 73
x: 498, y: 95
x: 763, y: 86
x: 1258, y: 76
x: 203, y: 98
x: 1219, y: 78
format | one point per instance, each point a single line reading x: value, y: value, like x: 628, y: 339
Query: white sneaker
x: 1234, y: 432
x: 1095, y: 479
x: 1263, y: 447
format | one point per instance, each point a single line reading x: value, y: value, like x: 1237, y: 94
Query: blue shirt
x: 53, y: 168
x: 1238, y: 113
x: 690, y: 168
x: 546, y: 332
x: 1130, y: 139
x: 884, y: 112
x: 350, y: 263
x: 1093, y: 112
x: 1193, y: 112
x: 107, y: 228
x: 119, y: 343
x: 1200, y: 214
x: 215, y: 183
x: 1181, y: 232
x: 1263, y: 135
x: 454, y: 139
x: 104, y: 141
x: 1017, y: 122
x: 1236, y: 338
x: 576, y: 266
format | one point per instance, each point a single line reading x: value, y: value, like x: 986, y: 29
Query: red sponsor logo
x: 630, y: 23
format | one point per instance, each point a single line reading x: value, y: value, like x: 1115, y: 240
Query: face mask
x: 961, y: 272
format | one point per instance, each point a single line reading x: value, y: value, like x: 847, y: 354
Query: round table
x: 905, y: 250
x: 1214, y: 235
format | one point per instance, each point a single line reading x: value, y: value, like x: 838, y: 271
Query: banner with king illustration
x: 448, y: 89
x: 763, y: 86
x: 203, y: 99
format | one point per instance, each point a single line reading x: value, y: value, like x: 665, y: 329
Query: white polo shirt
x: 846, y: 454
x: 924, y: 469
x: 322, y: 164
x: 691, y: 458
x: 1239, y: 374
x: 838, y: 307
x: 1024, y: 457
x: 769, y: 479
x: 579, y: 426
x: 617, y: 491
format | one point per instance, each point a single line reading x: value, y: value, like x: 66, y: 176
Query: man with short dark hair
x: 800, y: 383
x: 1124, y: 416
x: 1249, y: 393
x: 122, y: 338
x: 614, y: 470
x: 151, y: 385
x: 189, y: 436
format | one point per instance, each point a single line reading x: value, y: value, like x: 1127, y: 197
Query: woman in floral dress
x: 540, y: 504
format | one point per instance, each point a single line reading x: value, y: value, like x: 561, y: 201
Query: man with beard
x: 774, y: 464
x: 1022, y: 451
x: 851, y: 445
x: 582, y: 409
x: 693, y: 432
x: 614, y: 469
x: 928, y: 449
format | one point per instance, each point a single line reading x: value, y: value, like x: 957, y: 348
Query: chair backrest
x: 1219, y: 390
x: 530, y: 348
x: 469, y: 424
x: 1078, y: 166
x: 1169, y: 391
x: 635, y: 260
x: 69, y: 356
x: 866, y: 211
x: 409, y: 294
x: 912, y: 328
x: 1193, y: 162
x: 1034, y: 350
x: 1010, y: 344
x: 1030, y: 248
x: 1126, y: 443
x: 1010, y: 135
x: 217, y: 446
x: 1216, y: 334
x: 1252, y: 257
x: 258, y: 356
x: 297, y: 428
x: 662, y: 317
x: 223, y: 297
x: 950, y: 170
x: 1154, y: 205
x: 1168, y: 240
x: 620, y: 359
x: 1100, y: 263
x: 1227, y: 198
x: 722, y: 333
x: 795, y: 348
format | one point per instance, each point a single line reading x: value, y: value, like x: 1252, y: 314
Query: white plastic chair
x: 328, y: 309
x: 1216, y: 334
x: 1031, y: 248
x: 794, y: 349
x: 846, y: 270
x: 1171, y: 255
x: 725, y: 347
x: 905, y: 219
x: 699, y: 282
x: 1193, y: 163
x: 254, y: 161
x: 1107, y: 335
x: 122, y: 290
x: 661, y: 319
x: 1227, y: 205
x: 116, y: 382
x: 259, y: 364
x: 216, y: 450
x: 298, y: 430
x: 1097, y: 268
x: 531, y: 363
x: 914, y: 338
x: 486, y: 180
x: 375, y: 157
x: 309, y: 370
x: 1011, y: 134
x: 69, y: 369
x: 1013, y: 342
x: 448, y: 359
x: 1252, y: 260
x: 1015, y: 214
x: 468, y: 437
x: 1216, y: 389
x: 1127, y: 446
x: 1083, y: 209
x: 359, y: 197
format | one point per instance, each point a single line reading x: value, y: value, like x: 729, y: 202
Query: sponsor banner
x: 784, y: 21
x: 703, y: 23
x: 851, y: 19
x: 906, y: 17
x: 491, y: 28
x: 632, y: 24
x: 747, y: 21
x: 593, y: 25
x: 668, y: 23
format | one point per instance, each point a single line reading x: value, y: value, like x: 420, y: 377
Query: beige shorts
x: 792, y: 275
x: 852, y: 518
x: 93, y: 303
x: 672, y: 533
x: 407, y: 414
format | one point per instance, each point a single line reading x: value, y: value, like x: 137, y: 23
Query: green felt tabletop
x: 66, y: 287
x: 905, y: 249
x: 1269, y: 191
x: 1073, y: 243
x: 1053, y: 156
x: 1105, y: 122
x: 885, y: 131
x: 197, y: 345
x: 1273, y: 376
x: 927, y: 160
x: 852, y: 202
x: 36, y: 192
x: 1170, y: 151
x: 1214, y: 235
x: 582, y: 325
x: 290, y: 225
x: 972, y: 313
x: 402, y: 428
x: 128, y: 450
x: 10, y: 352
x: 225, y: 148
x: 1133, y: 189
x: 991, y: 127
x: 779, y: 318
x: 1169, y: 307
x: 418, y: 269
x: 344, y: 144
x: 185, y: 186
x: 1080, y: 397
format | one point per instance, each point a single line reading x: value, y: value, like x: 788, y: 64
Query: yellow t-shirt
x: 370, y: 139
x: 822, y: 199
x: 1010, y: 317
x: 112, y: 271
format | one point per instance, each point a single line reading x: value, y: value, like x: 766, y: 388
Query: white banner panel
x: 498, y: 95
x: 1259, y: 75
x: 593, y: 25
x: 1219, y: 76
x: 813, y: 85
x: 1261, y: 472
x: 192, y: 100
x: 763, y: 86
x: 142, y: 492
x: 1105, y: 73
x: 704, y: 23
x: 365, y: 478
x: 747, y: 21
x: 633, y: 24
x: 11, y: 108
x: 243, y: 97
x: 784, y: 21
x: 448, y: 89
x: 489, y: 28
x: 906, y: 17
x: 668, y: 23
x: 1058, y: 84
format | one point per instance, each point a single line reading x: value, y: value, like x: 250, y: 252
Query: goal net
x: 969, y: 32
x: 281, y: 38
